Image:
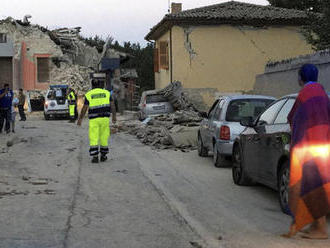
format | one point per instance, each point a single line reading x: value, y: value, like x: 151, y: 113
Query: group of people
x: 9, y: 102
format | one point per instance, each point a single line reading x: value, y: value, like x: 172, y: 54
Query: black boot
x: 104, y: 158
x: 95, y: 160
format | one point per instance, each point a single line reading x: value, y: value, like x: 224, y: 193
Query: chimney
x: 176, y: 8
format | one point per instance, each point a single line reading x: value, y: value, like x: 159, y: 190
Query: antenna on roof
x: 169, y: 6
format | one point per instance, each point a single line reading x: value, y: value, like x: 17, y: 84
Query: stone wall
x: 281, y: 78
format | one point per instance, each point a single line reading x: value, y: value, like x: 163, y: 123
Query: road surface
x: 52, y: 196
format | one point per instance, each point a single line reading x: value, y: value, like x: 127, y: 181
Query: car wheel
x: 218, y: 160
x: 202, y: 151
x: 240, y: 176
x: 283, y: 187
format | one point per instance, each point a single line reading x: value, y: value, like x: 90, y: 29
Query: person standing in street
x: 309, y: 188
x: 72, y: 104
x: 21, y: 103
x: 6, y: 99
x: 14, y: 112
x: 99, y: 104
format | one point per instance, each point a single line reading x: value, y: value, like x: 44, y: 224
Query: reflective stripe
x: 94, y: 150
x: 104, y: 150
x: 100, y: 106
x: 99, y: 115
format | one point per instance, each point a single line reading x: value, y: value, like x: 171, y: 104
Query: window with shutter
x: 156, y: 60
x: 164, y: 55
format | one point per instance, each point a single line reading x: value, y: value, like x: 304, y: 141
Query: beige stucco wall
x: 163, y: 77
x: 227, y: 57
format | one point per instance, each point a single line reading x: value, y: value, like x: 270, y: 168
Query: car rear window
x: 56, y: 94
x: 155, y: 98
x: 239, y: 109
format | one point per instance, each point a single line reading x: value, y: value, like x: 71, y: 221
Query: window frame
x: 37, y: 69
x: 281, y: 123
x: 164, y: 55
x: 275, y: 115
x: 3, y: 38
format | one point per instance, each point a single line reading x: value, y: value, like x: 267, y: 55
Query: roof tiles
x: 235, y: 13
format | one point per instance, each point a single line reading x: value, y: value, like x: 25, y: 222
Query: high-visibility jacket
x: 99, y: 103
x: 71, y: 98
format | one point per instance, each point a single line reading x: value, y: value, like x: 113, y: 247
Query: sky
x: 124, y: 20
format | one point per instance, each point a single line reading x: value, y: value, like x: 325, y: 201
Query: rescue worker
x: 72, y: 104
x: 99, y: 103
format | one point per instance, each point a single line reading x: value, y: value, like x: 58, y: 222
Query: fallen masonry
x: 177, y: 130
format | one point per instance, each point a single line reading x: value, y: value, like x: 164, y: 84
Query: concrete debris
x: 76, y: 76
x: 177, y: 130
x: 174, y: 93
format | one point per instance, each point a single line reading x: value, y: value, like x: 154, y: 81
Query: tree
x: 310, y: 5
x: 317, y: 32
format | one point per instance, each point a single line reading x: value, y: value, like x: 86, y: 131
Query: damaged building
x: 33, y: 57
x: 221, y: 48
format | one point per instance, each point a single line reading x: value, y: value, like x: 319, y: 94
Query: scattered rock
x: 46, y: 192
x: 13, y: 193
x: 195, y: 244
x: 122, y: 171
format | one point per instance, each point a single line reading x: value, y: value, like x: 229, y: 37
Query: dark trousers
x: 5, y: 116
x: 21, y: 112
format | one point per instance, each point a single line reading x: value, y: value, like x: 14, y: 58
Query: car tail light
x: 225, y: 133
x: 46, y: 105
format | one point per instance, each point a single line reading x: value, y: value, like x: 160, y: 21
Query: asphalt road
x: 52, y: 196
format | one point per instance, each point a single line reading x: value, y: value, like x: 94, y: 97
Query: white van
x: 56, y: 103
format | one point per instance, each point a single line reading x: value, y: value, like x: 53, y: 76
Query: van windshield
x: 155, y: 99
x: 239, y: 109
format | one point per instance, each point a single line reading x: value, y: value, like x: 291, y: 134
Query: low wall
x: 281, y: 78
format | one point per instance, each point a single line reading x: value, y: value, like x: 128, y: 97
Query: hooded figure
x: 309, y: 188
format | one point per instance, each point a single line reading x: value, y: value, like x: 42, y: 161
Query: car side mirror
x: 204, y: 115
x: 247, y: 121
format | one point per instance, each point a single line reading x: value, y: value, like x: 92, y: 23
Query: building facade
x: 221, y: 48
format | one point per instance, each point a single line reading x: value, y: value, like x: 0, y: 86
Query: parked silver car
x: 221, y: 126
x: 153, y: 104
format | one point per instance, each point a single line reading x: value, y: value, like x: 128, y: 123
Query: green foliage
x: 142, y: 61
x: 310, y: 5
x: 96, y: 41
x: 317, y: 32
x: 141, y: 58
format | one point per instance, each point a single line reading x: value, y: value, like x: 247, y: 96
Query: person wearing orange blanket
x: 309, y: 189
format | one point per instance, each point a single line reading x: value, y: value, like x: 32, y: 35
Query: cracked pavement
x: 52, y: 196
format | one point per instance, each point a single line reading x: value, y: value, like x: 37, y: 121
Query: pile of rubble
x: 176, y: 130
x: 174, y: 93
x: 76, y: 76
